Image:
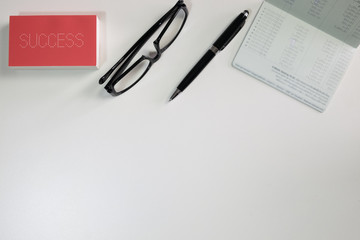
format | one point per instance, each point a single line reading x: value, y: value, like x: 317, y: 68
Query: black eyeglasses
x: 130, y: 71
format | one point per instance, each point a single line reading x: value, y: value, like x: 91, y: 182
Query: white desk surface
x: 230, y: 158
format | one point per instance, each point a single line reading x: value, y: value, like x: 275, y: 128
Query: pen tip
x: 174, y: 94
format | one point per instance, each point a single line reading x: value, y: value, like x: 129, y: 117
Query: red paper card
x: 53, y: 41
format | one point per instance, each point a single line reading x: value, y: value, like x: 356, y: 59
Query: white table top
x: 230, y: 158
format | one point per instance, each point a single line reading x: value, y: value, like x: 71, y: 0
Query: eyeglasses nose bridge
x: 155, y: 55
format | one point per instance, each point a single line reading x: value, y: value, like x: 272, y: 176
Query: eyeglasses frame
x: 130, y: 54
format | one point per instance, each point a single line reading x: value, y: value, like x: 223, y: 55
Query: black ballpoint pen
x: 219, y: 45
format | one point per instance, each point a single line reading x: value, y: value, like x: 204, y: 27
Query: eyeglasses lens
x: 173, y: 29
x: 132, y: 75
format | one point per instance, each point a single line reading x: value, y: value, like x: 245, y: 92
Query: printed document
x: 302, y: 48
